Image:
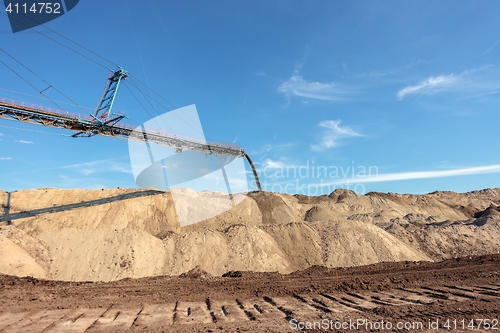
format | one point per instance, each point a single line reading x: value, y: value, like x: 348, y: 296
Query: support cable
x: 145, y: 85
x: 149, y: 114
x: 55, y: 41
x: 38, y: 76
x: 160, y: 104
x: 29, y: 83
x: 151, y: 104
x: 46, y: 99
x: 92, y: 60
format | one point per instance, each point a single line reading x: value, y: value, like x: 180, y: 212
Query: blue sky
x: 391, y: 96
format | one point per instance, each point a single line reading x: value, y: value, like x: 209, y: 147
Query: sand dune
x: 110, y: 234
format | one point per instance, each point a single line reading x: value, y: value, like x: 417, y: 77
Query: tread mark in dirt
x: 207, y: 302
x: 174, y: 316
x: 189, y: 311
x: 376, y: 301
x: 214, y: 318
x: 435, y: 294
x: 249, y: 315
x: 413, y: 301
x: 348, y: 300
x: 288, y: 313
x: 269, y: 300
x: 349, y: 305
x: 240, y: 305
x: 81, y: 314
x: 379, y: 301
x: 224, y: 311
x: 462, y: 293
x: 489, y: 293
x: 473, y: 294
x: 320, y: 302
x: 136, y: 317
x: 352, y: 306
x: 451, y: 292
x: 258, y: 308
x: 299, y: 298
x: 425, y: 293
x: 495, y: 288
x: 356, y: 295
x: 321, y: 308
x: 102, y: 314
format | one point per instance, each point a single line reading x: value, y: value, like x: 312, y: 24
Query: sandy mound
x: 112, y: 234
x: 196, y: 273
x: 216, y: 252
x: 319, y: 213
x: 448, y: 240
x: 14, y: 260
x: 278, y: 208
x: 354, y: 243
x: 103, y: 254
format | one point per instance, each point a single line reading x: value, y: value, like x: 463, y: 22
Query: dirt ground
x: 459, y: 294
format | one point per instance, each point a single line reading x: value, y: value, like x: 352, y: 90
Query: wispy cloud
x: 419, y: 175
x: 262, y: 151
x: 377, y: 74
x: 333, y: 134
x: 270, y: 164
x: 428, y: 85
x: 491, y: 47
x: 79, y: 182
x: 88, y: 168
x: 5, y: 158
x: 24, y: 142
x: 296, y: 85
x: 469, y: 83
x: 373, y: 74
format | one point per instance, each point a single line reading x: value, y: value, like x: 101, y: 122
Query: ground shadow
x: 8, y: 217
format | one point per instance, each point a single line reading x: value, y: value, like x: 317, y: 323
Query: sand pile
x: 110, y: 234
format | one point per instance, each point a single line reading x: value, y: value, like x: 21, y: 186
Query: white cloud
x: 88, y: 168
x: 373, y: 74
x: 469, y: 83
x: 297, y: 86
x: 333, y: 134
x: 428, y: 85
x: 5, y: 158
x: 79, y: 182
x: 263, y: 150
x: 492, y: 47
x: 25, y: 142
x: 419, y: 175
x: 270, y: 164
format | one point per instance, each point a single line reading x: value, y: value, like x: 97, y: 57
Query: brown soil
x: 269, y: 262
x: 407, y: 292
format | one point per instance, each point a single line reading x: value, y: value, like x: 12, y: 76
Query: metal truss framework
x: 86, y: 126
